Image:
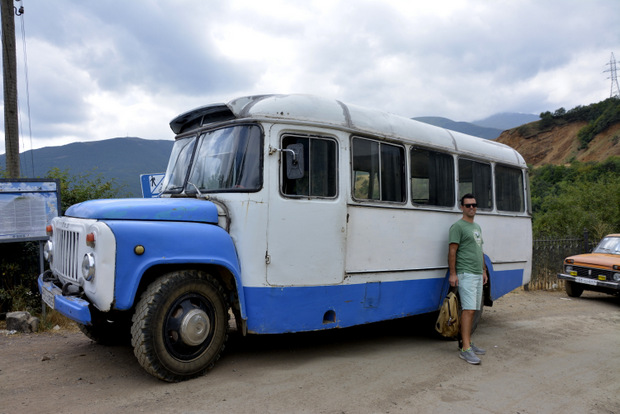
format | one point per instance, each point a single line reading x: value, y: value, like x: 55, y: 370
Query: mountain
x: 464, y: 127
x: 489, y: 128
x: 120, y: 159
x: 506, y: 120
x: 548, y: 141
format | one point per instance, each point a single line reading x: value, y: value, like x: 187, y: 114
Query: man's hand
x: 454, y: 280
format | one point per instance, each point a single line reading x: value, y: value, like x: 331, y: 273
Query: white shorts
x: 470, y: 291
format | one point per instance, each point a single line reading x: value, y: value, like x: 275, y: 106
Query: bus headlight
x: 88, y: 266
x: 48, y: 251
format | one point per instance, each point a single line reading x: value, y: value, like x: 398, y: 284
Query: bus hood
x: 148, y: 209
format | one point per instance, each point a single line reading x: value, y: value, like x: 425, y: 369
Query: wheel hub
x: 195, y: 327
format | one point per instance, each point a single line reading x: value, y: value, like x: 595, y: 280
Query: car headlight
x: 48, y: 251
x: 568, y: 269
x: 617, y: 277
x: 88, y: 266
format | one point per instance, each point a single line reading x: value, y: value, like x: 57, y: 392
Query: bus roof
x: 314, y: 110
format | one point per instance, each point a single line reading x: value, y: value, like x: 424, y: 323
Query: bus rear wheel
x: 180, y: 325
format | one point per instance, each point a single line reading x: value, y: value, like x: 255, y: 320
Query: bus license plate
x: 48, y: 298
x: 586, y: 281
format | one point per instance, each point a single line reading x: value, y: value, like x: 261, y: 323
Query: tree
x: 82, y: 187
x: 567, y: 200
x: 546, y: 120
x: 559, y: 113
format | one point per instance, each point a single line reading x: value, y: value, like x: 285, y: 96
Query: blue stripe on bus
x: 505, y: 281
x: 298, y: 309
x: 274, y: 310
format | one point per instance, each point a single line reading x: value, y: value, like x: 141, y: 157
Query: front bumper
x: 72, y: 307
x: 585, y: 282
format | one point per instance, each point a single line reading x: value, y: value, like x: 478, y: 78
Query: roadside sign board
x: 151, y: 185
x: 27, y: 206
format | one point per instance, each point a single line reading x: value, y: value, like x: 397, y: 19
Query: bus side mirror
x: 294, y: 161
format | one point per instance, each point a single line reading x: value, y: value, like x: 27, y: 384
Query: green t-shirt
x: 469, y: 254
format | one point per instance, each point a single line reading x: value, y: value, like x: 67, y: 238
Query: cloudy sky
x: 104, y: 69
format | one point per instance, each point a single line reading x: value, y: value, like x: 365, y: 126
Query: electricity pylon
x: 615, y: 89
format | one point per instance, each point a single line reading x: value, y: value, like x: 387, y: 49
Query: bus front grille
x: 65, y: 262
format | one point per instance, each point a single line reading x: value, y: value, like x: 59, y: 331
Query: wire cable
x: 27, y: 83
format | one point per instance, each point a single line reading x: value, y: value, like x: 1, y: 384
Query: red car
x: 598, y: 271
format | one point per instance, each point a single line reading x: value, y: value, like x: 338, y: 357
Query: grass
x: 53, y: 319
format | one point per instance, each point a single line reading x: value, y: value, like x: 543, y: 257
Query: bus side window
x: 509, y: 188
x: 432, y: 178
x: 378, y: 171
x: 320, y: 177
x: 475, y: 178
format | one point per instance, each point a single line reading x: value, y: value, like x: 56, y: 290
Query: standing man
x: 468, y: 272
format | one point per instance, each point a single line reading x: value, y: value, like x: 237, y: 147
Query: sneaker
x: 469, y: 356
x: 477, y: 351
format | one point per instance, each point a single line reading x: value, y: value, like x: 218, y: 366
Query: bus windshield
x: 227, y: 159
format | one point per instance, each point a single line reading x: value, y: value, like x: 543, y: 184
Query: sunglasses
x: 474, y: 205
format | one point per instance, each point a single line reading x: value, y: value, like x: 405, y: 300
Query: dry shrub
x: 53, y: 319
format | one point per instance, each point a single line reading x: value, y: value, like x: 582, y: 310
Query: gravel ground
x: 546, y: 353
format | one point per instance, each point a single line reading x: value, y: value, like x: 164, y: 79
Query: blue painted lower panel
x: 505, y: 281
x: 297, y: 309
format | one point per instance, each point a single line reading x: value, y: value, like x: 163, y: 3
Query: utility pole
x: 9, y: 71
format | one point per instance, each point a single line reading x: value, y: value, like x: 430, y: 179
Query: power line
x: 23, y: 33
x: 615, y: 89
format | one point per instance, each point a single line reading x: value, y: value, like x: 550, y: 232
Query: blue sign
x: 152, y: 185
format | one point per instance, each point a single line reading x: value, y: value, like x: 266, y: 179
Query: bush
x: 19, y: 262
x: 599, y: 116
x: 567, y: 200
x: 88, y: 186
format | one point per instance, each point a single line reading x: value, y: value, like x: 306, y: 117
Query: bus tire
x: 573, y: 289
x: 180, y: 326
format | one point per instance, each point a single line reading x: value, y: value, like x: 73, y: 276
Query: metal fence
x: 548, y: 256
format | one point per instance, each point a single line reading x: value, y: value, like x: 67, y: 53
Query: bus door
x: 307, y: 217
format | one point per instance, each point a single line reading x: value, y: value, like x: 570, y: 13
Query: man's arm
x: 485, y: 273
x: 454, y: 280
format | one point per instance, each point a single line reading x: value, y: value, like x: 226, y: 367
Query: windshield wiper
x: 194, y: 185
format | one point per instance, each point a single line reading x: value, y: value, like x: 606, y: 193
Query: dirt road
x: 546, y: 354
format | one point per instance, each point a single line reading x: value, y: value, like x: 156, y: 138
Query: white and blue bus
x: 292, y: 213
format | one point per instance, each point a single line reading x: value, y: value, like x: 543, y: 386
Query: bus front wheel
x: 180, y: 325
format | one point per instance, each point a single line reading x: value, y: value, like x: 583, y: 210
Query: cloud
x: 104, y: 69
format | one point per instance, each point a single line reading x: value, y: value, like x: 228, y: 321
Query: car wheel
x: 573, y: 289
